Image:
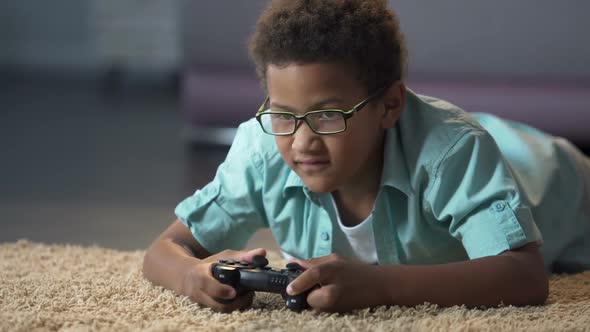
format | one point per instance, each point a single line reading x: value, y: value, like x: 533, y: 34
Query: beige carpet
x: 72, y: 288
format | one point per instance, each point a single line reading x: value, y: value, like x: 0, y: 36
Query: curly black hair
x: 361, y: 33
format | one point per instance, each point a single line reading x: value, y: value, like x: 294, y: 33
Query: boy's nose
x: 303, y: 137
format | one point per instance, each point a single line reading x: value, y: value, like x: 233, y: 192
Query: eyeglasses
x: 322, y: 122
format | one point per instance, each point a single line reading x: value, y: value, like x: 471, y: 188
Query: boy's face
x: 328, y: 163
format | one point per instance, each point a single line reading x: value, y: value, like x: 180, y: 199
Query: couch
x: 524, y: 60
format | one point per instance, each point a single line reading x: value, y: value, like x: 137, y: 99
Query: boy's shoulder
x: 250, y: 137
x: 252, y: 145
x: 430, y: 127
x: 434, y: 116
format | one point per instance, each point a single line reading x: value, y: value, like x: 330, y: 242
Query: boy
x: 384, y: 196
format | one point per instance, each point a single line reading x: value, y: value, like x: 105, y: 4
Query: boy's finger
x: 308, y: 263
x: 307, y: 280
x: 249, y: 255
x: 305, y: 264
x: 243, y: 301
x: 318, y: 298
x: 238, y: 303
x: 216, y: 289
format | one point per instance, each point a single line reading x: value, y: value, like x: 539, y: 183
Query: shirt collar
x: 294, y: 181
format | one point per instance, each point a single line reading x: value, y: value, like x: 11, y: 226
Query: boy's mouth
x: 312, y: 165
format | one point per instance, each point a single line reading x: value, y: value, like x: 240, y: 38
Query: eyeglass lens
x: 320, y: 122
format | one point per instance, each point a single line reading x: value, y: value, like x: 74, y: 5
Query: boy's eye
x: 329, y: 116
x: 281, y: 117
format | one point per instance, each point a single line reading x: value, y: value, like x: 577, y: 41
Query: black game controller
x: 257, y: 276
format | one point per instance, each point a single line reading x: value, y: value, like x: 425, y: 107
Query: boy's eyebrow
x: 315, y: 106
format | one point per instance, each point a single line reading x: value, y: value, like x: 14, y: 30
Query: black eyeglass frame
x: 298, y: 118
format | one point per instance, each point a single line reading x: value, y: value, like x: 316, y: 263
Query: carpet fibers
x: 73, y: 288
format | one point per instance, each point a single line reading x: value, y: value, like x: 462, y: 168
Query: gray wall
x: 500, y: 37
x: 526, y: 38
x: 67, y: 35
x: 46, y: 33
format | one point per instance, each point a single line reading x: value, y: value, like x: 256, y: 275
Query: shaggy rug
x: 73, y: 288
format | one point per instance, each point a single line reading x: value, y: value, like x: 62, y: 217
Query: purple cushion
x: 225, y: 97
x: 222, y: 98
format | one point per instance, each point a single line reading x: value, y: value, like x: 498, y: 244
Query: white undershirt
x: 356, y: 242
x: 360, y: 239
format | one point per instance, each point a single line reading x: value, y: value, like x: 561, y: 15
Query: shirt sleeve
x: 229, y: 210
x: 474, y: 193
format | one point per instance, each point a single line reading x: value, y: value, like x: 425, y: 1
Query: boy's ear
x: 394, y: 99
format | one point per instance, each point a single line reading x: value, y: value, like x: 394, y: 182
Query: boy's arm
x: 167, y: 258
x: 177, y: 261
x: 513, y: 278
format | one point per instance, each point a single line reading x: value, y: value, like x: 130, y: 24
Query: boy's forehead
x: 316, y: 80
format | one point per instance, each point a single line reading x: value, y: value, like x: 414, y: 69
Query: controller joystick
x: 293, y: 266
x: 259, y: 261
x: 257, y: 276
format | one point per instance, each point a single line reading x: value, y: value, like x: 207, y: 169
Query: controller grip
x: 226, y: 276
x: 297, y: 302
x: 229, y: 277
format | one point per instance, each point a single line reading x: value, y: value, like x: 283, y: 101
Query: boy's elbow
x: 147, y: 263
x: 533, y: 284
x: 536, y: 294
x: 532, y: 290
x: 541, y: 290
x: 541, y: 284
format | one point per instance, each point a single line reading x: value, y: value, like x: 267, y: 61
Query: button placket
x: 385, y: 218
x: 324, y: 227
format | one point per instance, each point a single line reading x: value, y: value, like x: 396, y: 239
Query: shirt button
x: 325, y: 236
x: 314, y: 199
x: 500, y: 206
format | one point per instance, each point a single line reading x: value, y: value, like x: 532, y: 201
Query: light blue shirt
x: 454, y: 186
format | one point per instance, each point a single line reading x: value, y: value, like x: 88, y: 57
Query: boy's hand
x: 201, y: 287
x: 343, y: 284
